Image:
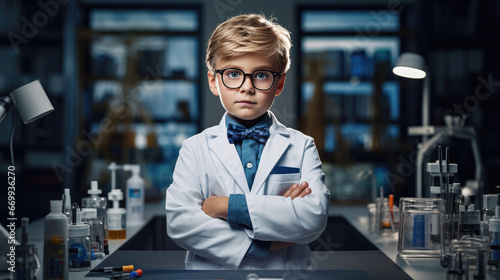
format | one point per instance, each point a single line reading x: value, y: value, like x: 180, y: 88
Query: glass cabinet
x: 349, y: 100
x: 139, y: 79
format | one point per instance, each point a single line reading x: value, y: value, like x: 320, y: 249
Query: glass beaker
x: 421, y: 227
x: 96, y: 234
x: 469, y: 257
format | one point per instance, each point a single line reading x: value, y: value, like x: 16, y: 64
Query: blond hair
x: 249, y: 33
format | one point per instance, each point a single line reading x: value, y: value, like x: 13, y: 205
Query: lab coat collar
x: 276, y: 145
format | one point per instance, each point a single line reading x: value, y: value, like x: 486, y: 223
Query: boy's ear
x: 281, y: 85
x: 211, y: 82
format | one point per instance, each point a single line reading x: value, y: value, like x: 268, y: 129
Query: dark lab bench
x: 341, y: 252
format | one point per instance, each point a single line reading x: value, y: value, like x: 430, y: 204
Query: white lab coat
x: 209, y: 165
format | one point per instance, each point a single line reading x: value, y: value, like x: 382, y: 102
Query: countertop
x: 347, y: 263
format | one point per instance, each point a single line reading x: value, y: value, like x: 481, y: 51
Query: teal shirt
x: 250, y: 152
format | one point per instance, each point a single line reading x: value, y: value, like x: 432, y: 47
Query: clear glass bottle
x: 96, y: 234
x: 78, y: 243
x: 421, y: 230
x: 97, y: 202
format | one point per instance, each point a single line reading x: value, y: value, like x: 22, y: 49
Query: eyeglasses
x: 234, y: 78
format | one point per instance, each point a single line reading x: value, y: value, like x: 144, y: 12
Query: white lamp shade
x: 31, y: 101
x: 410, y: 65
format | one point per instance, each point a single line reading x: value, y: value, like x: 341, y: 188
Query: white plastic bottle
x: 116, y: 217
x: 135, y: 195
x: 55, y: 246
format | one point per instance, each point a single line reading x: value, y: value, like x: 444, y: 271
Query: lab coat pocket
x: 277, y: 184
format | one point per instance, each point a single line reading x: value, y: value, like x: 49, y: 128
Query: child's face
x: 246, y: 102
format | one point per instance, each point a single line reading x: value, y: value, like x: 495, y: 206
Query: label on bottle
x: 135, y: 205
x: 134, y: 193
x: 116, y: 221
x: 54, y: 258
x: 54, y: 268
x: 419, y: 231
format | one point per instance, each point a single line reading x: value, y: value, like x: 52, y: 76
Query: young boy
x: 235, y: 201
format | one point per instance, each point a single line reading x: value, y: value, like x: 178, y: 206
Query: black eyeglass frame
x: 221, y: 72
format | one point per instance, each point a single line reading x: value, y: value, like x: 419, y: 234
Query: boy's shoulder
x: 297, y: 136
x: 207, y: 132
x: 292, y: 133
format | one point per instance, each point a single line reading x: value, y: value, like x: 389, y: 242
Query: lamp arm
x: 426, y: 101
x: 426, y: 104
x: 5, y: 105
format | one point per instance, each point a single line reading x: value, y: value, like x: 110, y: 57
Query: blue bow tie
x: 236, y: 134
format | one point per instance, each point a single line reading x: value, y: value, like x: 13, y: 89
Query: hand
x: 277, y: 245
x: 216, y: 206
x: 297, y: 190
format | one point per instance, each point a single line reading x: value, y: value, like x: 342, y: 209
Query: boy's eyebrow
x: 262, y: 67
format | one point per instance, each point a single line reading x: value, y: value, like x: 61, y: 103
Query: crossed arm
x: 217, y: 207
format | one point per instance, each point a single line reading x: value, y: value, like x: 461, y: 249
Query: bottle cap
x: 56, y: 206
x: 78, y: 230
x: 67, y: 198
x: 127, y: 268
x: 94, y: 188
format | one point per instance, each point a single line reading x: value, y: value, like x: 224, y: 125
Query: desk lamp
x: 31, y: 103
x: 412, y: 65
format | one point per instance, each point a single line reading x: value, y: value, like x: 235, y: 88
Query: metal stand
x: 439, y: 134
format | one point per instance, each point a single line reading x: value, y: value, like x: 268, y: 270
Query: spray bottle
x: 98, y: 203
x: 116, y: 217
x: 55, y: 247
x: 135, y: 194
